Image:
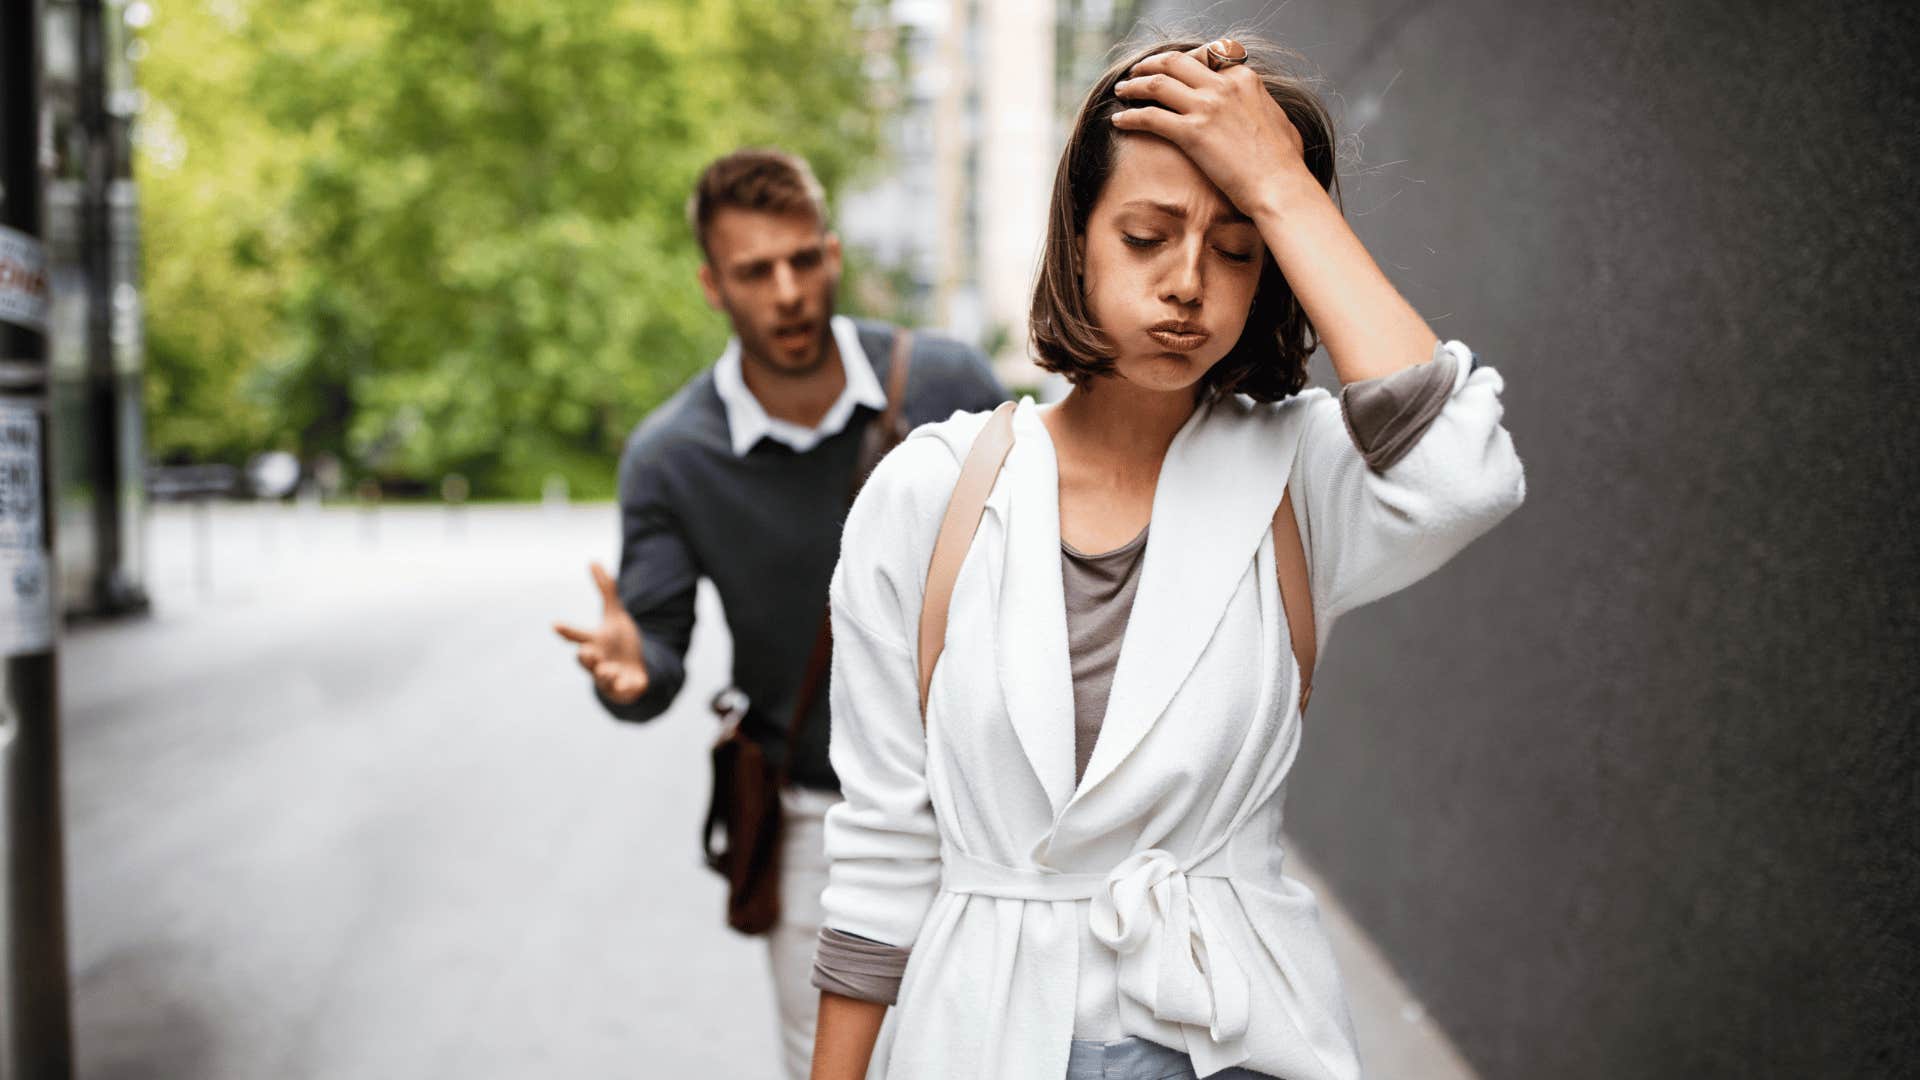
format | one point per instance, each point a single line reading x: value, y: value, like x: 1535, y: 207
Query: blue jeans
x: 1138, y: 1059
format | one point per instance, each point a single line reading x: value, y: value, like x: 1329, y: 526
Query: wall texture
x: 1630, y: 790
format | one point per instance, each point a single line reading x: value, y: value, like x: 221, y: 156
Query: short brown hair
x: 1269, y: 362
x: 755, y: 178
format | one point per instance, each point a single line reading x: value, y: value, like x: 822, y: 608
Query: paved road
x: 344, y: 809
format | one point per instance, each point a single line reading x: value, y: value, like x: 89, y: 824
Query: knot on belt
x: 1172, y: 961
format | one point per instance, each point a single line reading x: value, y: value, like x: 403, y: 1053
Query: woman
x: 1080, y: 852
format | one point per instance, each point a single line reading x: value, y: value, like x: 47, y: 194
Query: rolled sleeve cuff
x: 1386, y: 416
x: 857, y: 967
x: 663, y: 666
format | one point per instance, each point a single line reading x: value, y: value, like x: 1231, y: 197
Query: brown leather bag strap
x: 818, y: 663
x: 885, y: 431
x: 873, y: 446
x: 897, y: 366
x: 962, y: 520
x: 1296, y: 591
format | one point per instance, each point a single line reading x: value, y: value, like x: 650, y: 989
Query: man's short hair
x: 770, y: 181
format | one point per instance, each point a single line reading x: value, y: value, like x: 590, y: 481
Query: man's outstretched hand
x: 611, y: 652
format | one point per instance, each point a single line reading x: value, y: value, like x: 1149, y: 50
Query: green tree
x: 449, y: 234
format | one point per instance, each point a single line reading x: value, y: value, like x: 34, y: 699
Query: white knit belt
x: 1171, y: 961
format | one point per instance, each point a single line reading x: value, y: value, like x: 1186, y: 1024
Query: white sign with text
x: 23, y: 280
x: 26, y: 573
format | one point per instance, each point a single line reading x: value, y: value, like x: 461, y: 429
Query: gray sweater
x: 765, y: 528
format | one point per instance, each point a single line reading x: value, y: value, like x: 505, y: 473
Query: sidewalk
x: 345, y: 808
x: 1398, y: 1039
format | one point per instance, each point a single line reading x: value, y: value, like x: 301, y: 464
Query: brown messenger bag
x: 741, y: 836
x: 962, y: 520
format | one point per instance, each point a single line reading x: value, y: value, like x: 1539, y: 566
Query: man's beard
x: 765, y: 355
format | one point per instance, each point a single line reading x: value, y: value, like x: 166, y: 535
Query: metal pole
x: 36, y: 1029
x: 109, y: 256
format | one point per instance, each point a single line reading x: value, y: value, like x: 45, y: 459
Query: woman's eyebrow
x: 1230, y: 216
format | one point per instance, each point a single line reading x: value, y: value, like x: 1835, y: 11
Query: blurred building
x: 95, y: 343
x: 952, y: 229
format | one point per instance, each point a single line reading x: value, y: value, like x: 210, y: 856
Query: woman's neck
x: 1113, y: 426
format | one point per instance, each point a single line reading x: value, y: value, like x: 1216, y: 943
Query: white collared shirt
x: 747, y: 420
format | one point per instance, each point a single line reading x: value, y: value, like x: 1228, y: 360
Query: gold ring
x: 1224, y: 53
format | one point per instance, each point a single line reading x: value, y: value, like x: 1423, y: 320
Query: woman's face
x: 1169, y: 266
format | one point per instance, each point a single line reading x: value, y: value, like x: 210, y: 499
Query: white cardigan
x: 1149, y: 900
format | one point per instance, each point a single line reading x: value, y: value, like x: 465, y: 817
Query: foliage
x: 448, y: 235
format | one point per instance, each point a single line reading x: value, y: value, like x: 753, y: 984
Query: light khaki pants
x: 803, y: 874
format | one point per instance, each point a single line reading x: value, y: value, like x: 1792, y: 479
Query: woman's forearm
x: 843, y: 1040
x: 1369, y: 329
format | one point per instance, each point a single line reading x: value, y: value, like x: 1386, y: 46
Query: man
x: 743, y: 476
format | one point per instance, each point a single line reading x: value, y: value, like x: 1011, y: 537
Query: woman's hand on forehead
x: 1225, y: 121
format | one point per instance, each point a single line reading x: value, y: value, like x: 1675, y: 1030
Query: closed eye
x: 1139, y: 241
x: 1235, y: 256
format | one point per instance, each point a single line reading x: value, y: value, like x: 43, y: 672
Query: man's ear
x: 710, y: 285
x: 833, y: 254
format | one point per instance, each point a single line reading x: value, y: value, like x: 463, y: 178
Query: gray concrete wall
x: 1629, y: 790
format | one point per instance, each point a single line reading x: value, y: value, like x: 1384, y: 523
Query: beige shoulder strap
x: 1296, y: 591
x: 962, y: 520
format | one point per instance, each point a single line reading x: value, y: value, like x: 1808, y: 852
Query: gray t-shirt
x: 1099, y: 592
